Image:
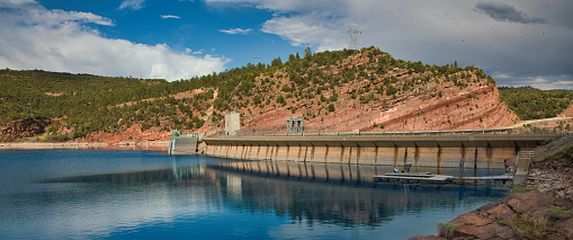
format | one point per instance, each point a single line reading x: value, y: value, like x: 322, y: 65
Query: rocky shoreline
x: 540, y: 209
x: 151, y: 145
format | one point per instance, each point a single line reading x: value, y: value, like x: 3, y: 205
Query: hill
x: 366, y: 90
x: 531, y: 103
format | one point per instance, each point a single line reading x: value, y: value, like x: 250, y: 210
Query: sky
x: 521, y: 42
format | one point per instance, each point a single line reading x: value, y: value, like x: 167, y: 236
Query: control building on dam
x: 484, y: 149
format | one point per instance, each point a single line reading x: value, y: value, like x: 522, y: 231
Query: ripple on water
x: 149, y: 195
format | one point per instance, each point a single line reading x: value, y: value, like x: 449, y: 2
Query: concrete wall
x: 482, y: 157
x: 183, y: 146
x: 481, y: 152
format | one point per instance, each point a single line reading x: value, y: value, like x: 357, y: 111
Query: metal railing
x: 544, y: 151
x: 493, y: 131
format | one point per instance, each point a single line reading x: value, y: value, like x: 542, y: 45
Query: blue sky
x: 524, y: 42
x: 193, y: 25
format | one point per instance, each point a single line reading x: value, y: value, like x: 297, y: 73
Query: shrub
x: 391, y: 90
x: 446, y: 230
x: 281, y: 100
x: 331, y: 107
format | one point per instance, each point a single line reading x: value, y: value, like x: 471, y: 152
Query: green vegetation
x: 81, y: 104
x: 531, y: 228
x: 446, y: 230
x: 331, y: 107
x: 558, y: 212
x: 531, y: 103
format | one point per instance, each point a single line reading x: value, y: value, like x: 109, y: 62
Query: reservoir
x: 125, y: 194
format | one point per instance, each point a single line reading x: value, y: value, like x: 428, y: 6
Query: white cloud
x: 15, y: 3
x: 33, y: 37
x: 541, y: 82
x: 435, y: 32
x: 131, y: 4
x: 309, y: 29
x: 288, y: 6
x: 234, y: 31
x: 168, y: 16
x: 191, y: 51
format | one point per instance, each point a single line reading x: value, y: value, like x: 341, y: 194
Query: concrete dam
x: 476, y: 150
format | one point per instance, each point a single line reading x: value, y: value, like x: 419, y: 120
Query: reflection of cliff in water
x: 303, y: 201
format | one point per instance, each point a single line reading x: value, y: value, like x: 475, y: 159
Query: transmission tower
x: 257, y: 59
x: 353, y: 33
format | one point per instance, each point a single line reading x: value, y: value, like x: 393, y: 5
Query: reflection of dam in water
x: 336, y: 173
x: 343, y: 204
x: 302, y: 201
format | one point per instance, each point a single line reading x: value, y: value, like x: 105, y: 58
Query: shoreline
x: 541, y: 208
x: 155, y: 145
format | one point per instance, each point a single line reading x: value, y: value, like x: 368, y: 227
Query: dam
x: 491, y: 149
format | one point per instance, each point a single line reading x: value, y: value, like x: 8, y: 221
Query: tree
x: 307, y: 53
x: 291, y: 58
x: 276, y: 62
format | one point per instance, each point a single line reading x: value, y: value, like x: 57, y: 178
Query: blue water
x: 100, y: 194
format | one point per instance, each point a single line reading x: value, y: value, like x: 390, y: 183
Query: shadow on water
x: 328, y: 193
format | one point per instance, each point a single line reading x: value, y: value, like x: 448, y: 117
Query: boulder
x: 427, y: 238
x: 529, y: 203
x: 565, y: 227
x: 489, y: 232
x: 473, y: 218
x: 502, y: 213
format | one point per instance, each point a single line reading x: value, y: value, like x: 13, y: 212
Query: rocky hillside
x: 366, y: 90
x: 568, y: 112
x: 371, y: 91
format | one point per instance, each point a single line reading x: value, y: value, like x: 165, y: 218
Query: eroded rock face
x: 478, y: 107
x: 471, y: 108
x: 25, y: 128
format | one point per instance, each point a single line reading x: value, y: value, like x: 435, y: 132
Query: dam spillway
x: 445, y: 150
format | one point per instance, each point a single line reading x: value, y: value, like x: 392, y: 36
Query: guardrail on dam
x: 468, y: 150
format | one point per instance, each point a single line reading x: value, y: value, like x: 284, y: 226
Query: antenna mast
x: 353, y: 33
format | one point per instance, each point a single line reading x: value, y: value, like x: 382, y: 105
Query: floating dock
x: 414, y: 178
x: 429, y: 178
x: 484, y: 179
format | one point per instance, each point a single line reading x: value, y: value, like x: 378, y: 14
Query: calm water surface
x: 100, y: 194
